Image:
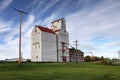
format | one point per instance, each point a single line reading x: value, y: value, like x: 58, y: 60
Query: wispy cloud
x: 42, y: 6
x: 6, y: 26
x: 100, y: 22
x: 5, y: 29
x: 94, y: 24
x: 28, y: 23
x: 10, y: 48
x: 5, y: 4
x: 48, y: 20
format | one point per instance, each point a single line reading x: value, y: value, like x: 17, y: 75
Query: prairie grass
x: 58, y: 71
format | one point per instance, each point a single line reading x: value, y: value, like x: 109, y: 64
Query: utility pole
x: 76, y: 44
x: 21, y: 12
x: 118, y: 54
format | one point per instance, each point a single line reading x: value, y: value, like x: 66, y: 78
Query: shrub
x: 106, y: 61
x: 28, y: 60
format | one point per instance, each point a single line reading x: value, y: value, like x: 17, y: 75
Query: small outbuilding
x: 76, y: 55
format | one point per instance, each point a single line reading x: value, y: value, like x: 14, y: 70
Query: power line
x: 21, y: 12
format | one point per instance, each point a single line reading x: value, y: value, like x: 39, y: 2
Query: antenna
x: 21, y: 12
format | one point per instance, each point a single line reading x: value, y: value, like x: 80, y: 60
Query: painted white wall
x: 48, y: 47
x: 43, y: 44
x: 36, y: 45
x: 63, y: 37
x: 56, y: 25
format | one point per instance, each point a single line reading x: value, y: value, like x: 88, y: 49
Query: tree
x: 87, y: 59
x: 96, y: 58
x: 102, y: 58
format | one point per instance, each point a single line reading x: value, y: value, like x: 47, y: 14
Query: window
x: 35, y: 30
x: 63, y: 26
x: 36, y: 57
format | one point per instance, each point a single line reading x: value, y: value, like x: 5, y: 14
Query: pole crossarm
x: 20, y: 11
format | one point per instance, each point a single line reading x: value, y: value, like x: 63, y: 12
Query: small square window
x: 36, y: 57
x: 35, y: 30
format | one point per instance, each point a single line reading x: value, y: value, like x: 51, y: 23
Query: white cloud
x: 42, y: 6
x: 26, y: 37
x: 10, y: 48
x: 101, y: 22
x: 111, y: 44
x: 7, y: 30
x: 89, y: 26
x: 28, y: 23
x: 2, y: 29
x: 47, y: 21
x: 5, y: 4
x: 5, y: 26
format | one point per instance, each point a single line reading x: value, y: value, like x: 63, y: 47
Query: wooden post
x: 19, y: 59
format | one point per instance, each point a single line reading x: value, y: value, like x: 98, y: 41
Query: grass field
x: 58, y: 71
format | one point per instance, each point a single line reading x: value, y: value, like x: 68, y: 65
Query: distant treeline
x: 93, y: 58
x: 102, y: 60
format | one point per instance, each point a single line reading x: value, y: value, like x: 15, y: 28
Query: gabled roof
x: 57, y: 20
x: 46, y: 30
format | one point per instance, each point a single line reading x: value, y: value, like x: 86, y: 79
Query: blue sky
x: 94, y: 23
